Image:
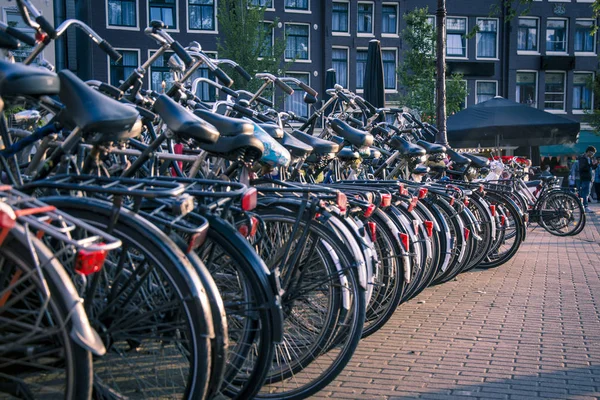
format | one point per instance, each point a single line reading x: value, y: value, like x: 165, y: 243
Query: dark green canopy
x: 503, y: 122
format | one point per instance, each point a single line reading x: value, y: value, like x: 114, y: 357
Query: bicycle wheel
x: 149, y: 308
x: 324, y: 304
x: 561, y: 213
x: 39, y: 358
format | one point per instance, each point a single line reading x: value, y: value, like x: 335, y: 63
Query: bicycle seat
x: 233, y: 148
x: 352, y: 135
x: 94, y: 112
x: 183, y: 123
x: 431, y: 148
x: 295, y: 146
x: 457, y: 158
x: 477, y: 161
x: 226, y: 126
x: 347, y: 154
x: 420, y: 170
x: 320, y: 146
x: 273, y: 130
x: 532, y: 183
x: 19, y: 79
x: 547, y: 179
x: 406, y: 148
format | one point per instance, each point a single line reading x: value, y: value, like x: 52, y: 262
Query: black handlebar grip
x: 111, y: 91
x: 182, y: 53
x: 230, y: 92
x: 242, y: 72
x: 46, y: 26
x: 308, y: 89
x: 284, y: 87
x: 371, y: 107
x: 21, y: 36
x: 343, y: 97
x: 223, y: 77
x: 301, y: 119
x: 108, y: 49
x: 243, y: 110
x: 265, y: 102
x: 355, y: 121
x: 131, y: 79
x: 145, y: 113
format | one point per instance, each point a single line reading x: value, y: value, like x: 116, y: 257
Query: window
x: 486, y: 90
x: 161, y: 77
x: 339, y: 62
x: 122, y: 13
x: 361, y: 66
x: 527, y: 37
x: 487, y: 38
x: 584, y: 40
x: 365, y: 18
x: 527, y: 88
x: 339, y: 17
x: 456, y: 41
x: 554, y: 93
x: 297, y: 42
x: 120, y: 70
x: 262, y: 3
x: 556, y: 35
x: 295, y: 102
x: 582, y: 92
x: 14, y: 19
x: 296, y: 4
x: 205, y: 91
x: 267, y: 48
x: 201, y: 14
x: 165, y: 11
x: 389, y: 69
x: 389, y: 19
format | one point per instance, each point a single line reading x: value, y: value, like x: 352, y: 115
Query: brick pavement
x: 527, y: 329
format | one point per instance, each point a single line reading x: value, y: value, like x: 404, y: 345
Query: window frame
x: 175, y: 16
x: 341, y: 33
x: 495, y: 57
x: 582, y: 111
x: 537, y: 87
x: 564, y: 108
x: 124, y: 28
x: 294, y: 74
x: 395, y: 50
x: 272, y: 38
x: 387, y: 34
x: 477, y: 81
x: 307, y: 60
x: 358, y: 90
x: 187, y: 20
x: 297, y: 10
x: 347, y: 63
x: 538, y: 30
x: 585, y: 53
x: 466, y: 56
x: 552, y: 52
x: 149, y: 71
x: 366, y: 34
x: 272, y: 8
x: 119, y: 49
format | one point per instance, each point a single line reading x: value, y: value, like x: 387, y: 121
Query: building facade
x: 545, y: 58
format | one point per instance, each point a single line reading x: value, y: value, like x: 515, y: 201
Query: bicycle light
x: 466, y: 233
x: 423, y: 193
x: 386, y: 200
x: 373, y: 228
x: 249, y: 199
x: 493, y: 210
x: 428, y: 227
x: 369, y: 210
x: 404, y: 239
x: 89, y: 262
x: 413, y: 204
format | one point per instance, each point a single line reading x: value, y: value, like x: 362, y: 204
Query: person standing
x: 586, y: 166
x: 597, y: 180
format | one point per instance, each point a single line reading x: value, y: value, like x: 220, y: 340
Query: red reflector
x: 369, y: 210
x: 7, y: 221
x: 413, y: 204
x: 40, y: 36
x: 197, y: 240
x: 466, y: 201
x: 342, y: 201
x: 243, y: 230
x: 429, y: 227
x: 317, y: 215
x: 178, y: 149
x: 467, y: 233
x: 373, y: 228
x: 386, y: 200
x: 89, y: 262
x: 254, y: 226
x: 404, y: 240
x: 249, y: 199
x: 404, y: 192
x: 452, y: 199
x: 502, y: 220
x: 493, y: 210
x: 423, y: 193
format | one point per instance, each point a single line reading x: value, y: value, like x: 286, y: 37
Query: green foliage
x: 245, y: 39
x: 417, y: 73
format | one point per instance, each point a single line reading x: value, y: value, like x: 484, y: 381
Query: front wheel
x: 561, y: 213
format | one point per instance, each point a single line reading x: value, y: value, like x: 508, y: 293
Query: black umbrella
x: 330, y: 81
x: 504, y: 122
x: 373, y: 82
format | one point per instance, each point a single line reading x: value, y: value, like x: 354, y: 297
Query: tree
x: 417, y: 73
x: 246, y: 39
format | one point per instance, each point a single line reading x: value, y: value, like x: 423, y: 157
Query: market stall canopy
x: 499, y: 121
x: 586, y: 138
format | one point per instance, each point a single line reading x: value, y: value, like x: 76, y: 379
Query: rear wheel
x: 561, y: 213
